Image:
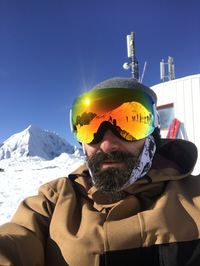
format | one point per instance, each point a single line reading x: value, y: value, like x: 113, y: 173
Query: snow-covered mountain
x: 26, y: 162
x: 34, y: 141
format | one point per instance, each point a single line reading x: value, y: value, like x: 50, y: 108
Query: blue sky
x: 52, y: 50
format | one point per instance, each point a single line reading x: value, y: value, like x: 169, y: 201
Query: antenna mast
x: 133, y: 64
x: 171, y: 71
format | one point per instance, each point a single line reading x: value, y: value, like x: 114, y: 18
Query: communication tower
x: 170, y: 66
x: 133, y: 63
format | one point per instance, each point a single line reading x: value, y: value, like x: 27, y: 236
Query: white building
x: 180, y: 99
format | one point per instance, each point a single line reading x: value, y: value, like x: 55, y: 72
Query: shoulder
x: 61, y: 185
x: 52, y: 189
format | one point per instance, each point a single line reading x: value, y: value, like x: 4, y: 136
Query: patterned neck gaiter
x: 144, y: 162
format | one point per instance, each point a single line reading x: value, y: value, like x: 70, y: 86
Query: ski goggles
x: 131, y: 113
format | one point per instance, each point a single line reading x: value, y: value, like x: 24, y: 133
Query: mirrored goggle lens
x: 129, y: 111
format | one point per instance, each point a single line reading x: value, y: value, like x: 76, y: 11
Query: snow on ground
x: 22, y: 177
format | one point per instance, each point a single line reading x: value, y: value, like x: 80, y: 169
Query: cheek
x: 135, y: 148
x: 89, y: 149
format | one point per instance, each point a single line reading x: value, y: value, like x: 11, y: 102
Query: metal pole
x: 133, y: 65
x: 134, y: 62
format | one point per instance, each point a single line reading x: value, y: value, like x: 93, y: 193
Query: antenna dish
x: 126, y: 66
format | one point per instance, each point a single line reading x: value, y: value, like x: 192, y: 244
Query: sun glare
x: 87, y: 101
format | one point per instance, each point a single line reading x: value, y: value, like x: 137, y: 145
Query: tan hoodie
x: 71, y: 223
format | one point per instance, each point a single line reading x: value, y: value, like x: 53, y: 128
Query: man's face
x: 111, y: 161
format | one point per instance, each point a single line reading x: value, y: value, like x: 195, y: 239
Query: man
x: 134, y: 202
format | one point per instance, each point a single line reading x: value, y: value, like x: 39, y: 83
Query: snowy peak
x: 34, y: 141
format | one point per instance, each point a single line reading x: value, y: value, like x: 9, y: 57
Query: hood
x: 179, y: 152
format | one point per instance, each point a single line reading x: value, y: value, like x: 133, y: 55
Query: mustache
x: 119, y: 156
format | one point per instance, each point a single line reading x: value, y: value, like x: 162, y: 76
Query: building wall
x: 184, y: 94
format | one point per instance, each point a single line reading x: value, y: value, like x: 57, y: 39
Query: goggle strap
x: 70, y: 120
x: 156, y: 117
x: 83, y: 148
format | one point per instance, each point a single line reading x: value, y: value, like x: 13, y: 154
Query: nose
x: 110, y: 142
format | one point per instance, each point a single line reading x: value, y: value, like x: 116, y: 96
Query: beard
x: 112, y: 179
